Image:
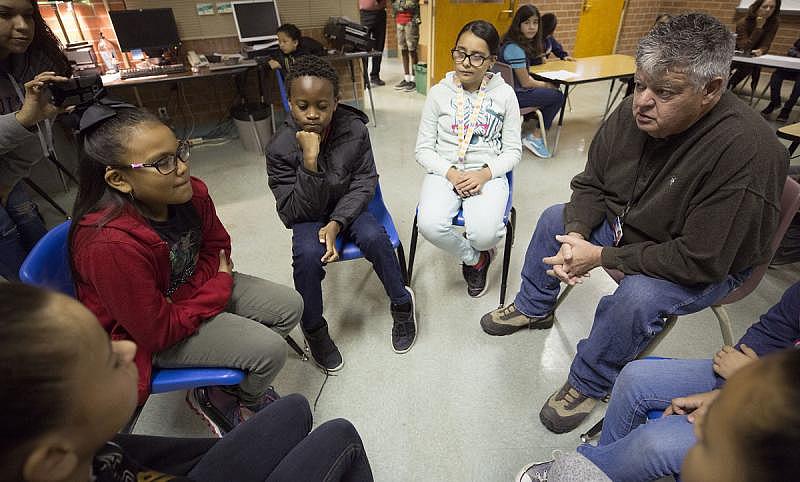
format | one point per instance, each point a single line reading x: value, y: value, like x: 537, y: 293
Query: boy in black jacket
x: 322, y: 174
x: 291, y: 45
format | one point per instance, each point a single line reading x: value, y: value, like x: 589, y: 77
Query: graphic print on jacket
x: 489, y: 126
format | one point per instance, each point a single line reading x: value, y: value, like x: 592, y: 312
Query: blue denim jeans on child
x: 371, y: 239
x: 21, y: 227
x: 632, y: 450
x: 625, y: 321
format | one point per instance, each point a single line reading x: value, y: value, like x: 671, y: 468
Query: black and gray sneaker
x: 410, y: 87
x: 404, y: 329
x: 535, y: 472
x: 402, y: 85
x: 476, y: 277
x: 323, y: 351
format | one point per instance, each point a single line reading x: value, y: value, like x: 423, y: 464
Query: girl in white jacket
x: 468, y: 139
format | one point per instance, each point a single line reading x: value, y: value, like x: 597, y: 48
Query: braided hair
x: 313, y: 66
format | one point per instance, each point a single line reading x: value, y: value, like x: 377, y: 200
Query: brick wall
x: 209, y: 99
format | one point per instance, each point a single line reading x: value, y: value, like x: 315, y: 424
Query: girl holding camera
x: 30, y: 58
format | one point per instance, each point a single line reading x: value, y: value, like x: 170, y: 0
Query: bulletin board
x: 303, y: 13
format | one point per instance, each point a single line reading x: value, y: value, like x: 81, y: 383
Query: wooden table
x: 587, y: 69
x: 791, y: 133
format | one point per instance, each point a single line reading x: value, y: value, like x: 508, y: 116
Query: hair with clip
x: 313, y: 66
x: 104, y: 143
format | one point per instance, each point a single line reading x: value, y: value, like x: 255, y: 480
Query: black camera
x: 76, y: 91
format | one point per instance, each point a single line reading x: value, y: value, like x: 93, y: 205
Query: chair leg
x: 562, y: 296
x: 506, y: 261
x: 293, y: 344
x: 724, y: 324
x: 592, y: 432
x: 541, y: 126
x: 513, y: 224
x: 128, y: 428
x: 401, y: 258
x: 46, y: 197
x: 413, y: 250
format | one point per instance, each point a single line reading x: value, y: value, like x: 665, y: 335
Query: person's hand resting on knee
x: 729, y: 360
x: 574, y: 260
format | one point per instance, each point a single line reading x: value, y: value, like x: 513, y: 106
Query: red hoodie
x: 123, y: 271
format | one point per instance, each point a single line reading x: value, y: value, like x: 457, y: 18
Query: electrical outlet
x: 162, y: 113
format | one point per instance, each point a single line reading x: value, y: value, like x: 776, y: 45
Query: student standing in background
x: 373, y: 15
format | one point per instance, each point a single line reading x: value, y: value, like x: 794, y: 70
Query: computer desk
x: 242, y: 67
x: 584, y: 70
x: 113, y: 80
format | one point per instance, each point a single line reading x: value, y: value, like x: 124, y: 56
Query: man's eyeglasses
x: 167, y: 164
x: 475, y: 60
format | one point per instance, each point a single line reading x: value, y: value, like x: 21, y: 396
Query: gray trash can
x: 253, y: 123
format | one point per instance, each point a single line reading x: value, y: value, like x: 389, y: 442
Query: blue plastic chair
x: 282, y: 89
x: 347, y: 248
x: 510, y: 220
x: 48, y: 266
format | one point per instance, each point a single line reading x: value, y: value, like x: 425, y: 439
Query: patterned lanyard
x: 47, y: 147
x: 464, y: 138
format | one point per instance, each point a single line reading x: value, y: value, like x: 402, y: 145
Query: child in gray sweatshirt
x: 468, y: 141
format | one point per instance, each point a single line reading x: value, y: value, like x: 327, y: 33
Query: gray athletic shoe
x: 566, y: 409
x: 508, y: 320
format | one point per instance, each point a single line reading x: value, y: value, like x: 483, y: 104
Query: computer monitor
x: 152, y: 30
x: 256, y: 21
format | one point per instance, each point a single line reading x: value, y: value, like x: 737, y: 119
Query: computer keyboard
x: 152, y: 71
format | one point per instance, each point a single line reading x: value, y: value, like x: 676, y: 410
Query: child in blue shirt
x: 523, y: 46
x: 551, y: 45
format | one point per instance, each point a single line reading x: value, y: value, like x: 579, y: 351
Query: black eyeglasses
x: 475, y: 60
x: 167, y: 164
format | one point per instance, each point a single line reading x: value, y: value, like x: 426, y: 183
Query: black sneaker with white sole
x: 323, y: 350
x: 402, y: 85
x: 410, y: 87
x: 404, y: 329
x: 476, y: 277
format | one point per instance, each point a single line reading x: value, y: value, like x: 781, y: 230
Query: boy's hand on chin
x: 309, y: 143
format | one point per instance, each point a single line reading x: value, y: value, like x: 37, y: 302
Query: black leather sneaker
x: 404, y: 329
x: 323, y: 351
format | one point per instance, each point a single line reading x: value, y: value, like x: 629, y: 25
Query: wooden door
x: 598, y: 27
x: 448, y: 18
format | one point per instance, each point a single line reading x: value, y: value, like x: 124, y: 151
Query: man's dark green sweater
x: 706, y: 202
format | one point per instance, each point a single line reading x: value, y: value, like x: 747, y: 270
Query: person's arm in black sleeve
x: 301, y: 194
x: 587, y: 208
x: 362, y: 185
x: 778, y: 328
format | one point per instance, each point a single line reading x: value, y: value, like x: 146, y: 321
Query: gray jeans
x: 248, y: 335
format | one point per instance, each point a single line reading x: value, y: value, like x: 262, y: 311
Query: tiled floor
x: 460, y: 405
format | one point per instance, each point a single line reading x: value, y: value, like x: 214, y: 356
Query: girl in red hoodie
x: 151, y: 260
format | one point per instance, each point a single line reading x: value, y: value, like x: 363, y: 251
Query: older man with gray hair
x: 681, y: 192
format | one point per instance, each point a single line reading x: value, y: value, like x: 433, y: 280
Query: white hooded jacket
x: 495, y: 142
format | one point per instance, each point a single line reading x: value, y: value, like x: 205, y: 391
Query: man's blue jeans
x: 632, y: 450
x: 308, y: 271
x: 21, y: 227
x: 624, y: 322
